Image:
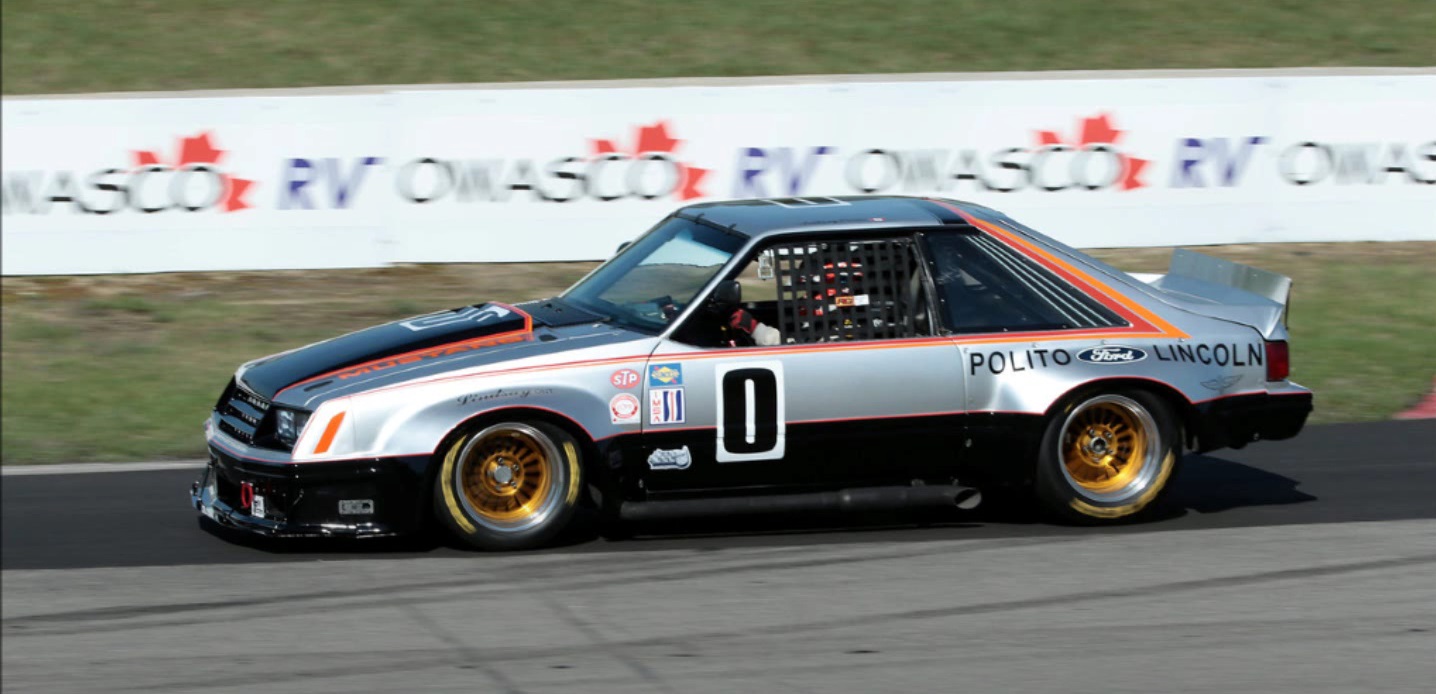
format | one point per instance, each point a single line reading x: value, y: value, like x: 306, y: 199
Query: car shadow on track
x: 1207, y: 484
x: 1208, y: 492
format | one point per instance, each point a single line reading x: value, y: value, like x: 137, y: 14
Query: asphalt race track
x: 1300, y: 566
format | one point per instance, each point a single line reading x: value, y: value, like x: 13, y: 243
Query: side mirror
x: 727, y: 295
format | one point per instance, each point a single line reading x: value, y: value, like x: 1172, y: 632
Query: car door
x: 823, y: 409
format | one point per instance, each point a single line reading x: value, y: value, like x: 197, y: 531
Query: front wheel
x: 1106, y: 457
x: 510, y: 485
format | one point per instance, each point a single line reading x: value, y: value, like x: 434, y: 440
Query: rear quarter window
x: 984, y: 286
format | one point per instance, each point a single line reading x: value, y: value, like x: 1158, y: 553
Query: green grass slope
x: 57, y: 46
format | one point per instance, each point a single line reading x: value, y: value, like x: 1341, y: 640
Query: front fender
x: 415, y: 419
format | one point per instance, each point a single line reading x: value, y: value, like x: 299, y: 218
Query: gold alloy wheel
x: 507, y: 475
x: 1105, y: 445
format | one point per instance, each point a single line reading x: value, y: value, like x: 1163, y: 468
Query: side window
x: 984, y: 286
x: 847, y: 290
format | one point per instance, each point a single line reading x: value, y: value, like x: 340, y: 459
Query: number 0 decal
x: 751, y: 414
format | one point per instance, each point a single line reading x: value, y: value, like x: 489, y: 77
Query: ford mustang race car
x: 913, y: 352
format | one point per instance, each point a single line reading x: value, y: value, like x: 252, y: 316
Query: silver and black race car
x: 913, y: 352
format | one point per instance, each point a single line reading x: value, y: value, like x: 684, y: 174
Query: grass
x: 66, y: 46
x: 126, y: 367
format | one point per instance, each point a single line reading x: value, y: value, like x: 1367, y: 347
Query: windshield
x: 649, y: 283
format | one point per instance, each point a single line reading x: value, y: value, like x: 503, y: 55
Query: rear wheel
x: 1107, y: 456
x: 509, y: 485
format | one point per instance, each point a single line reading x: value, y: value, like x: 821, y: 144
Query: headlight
x: 288, y: 424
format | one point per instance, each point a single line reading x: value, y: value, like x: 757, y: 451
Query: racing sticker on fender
x: 666, y: 406
x: 665, y: 375
x: 624, y: 378
x: 662, y: 459
x: 624, y: 408
x: 1111, y: 354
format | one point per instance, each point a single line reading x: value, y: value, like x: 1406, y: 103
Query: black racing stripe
x: 267, y: 378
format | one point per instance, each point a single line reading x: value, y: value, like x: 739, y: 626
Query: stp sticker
x: 665, y: 406
x: 624, y: 408
x: 624, y: 378
x: 665, y: 375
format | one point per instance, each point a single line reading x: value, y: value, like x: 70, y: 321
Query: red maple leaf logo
x: 1099, y: 131
x: 654, y: 139
x: 199, y: 150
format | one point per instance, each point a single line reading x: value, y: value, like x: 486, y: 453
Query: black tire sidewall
x: 1055, y: 493
x: 568, y: 474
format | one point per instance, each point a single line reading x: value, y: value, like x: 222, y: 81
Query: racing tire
x: 1106, y: 457
x: 509, y: 485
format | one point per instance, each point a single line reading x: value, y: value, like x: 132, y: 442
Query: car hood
x: 459, y: 338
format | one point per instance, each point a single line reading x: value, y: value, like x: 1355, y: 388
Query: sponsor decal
x: 1222, y: 384
x: 326, y: 179
x: 1111, y: 354
x: 1000, y: 361
x: 653, y: 143
x: 661, y: 459
x: 1308, y: 163
x: 624, y: 378
x: 1014, y: 360
x: 1097, y: 139
x: 194, y: 179
x: 502, y: 394
x: 666, y: 406
x: 623, y: 408
x: 256, y: 507
x: 647, y: 168
x: 665, y: 375
x: 847, y: 301
x: 1203, y: 162
x: 1221, y: 354
x: 1093, y: 158
x: 477, y: 315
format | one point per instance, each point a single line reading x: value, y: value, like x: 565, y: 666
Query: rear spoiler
x: 1224, y: 289
x: 1196, y: 266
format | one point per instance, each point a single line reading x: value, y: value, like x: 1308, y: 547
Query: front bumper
x: 356, y: 498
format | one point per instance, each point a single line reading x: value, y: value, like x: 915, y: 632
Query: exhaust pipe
x: 857, y: 499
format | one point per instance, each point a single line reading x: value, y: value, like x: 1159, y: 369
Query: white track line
x: 87, y: 468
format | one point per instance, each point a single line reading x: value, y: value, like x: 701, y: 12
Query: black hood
x: 410, y: 340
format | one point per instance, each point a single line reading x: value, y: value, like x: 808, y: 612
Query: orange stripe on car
x: 1113, y: 299
x: 329, y: 431
x: 518, y: 335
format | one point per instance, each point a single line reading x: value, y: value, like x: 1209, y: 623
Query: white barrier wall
x: 266, y: 180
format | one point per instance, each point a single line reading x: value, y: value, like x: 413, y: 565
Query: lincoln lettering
x: 1221, y: 355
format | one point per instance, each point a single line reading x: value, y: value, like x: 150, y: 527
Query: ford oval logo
x: 1111, y: 354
